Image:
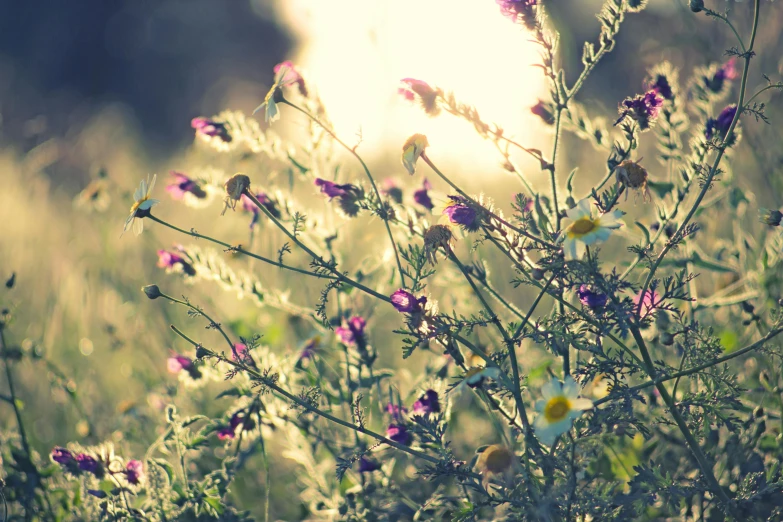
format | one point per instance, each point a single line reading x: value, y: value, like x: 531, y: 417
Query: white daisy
x: 560, y: 405
x: 271, y: 113
x: 142, y: 204
x: 586, y: 230
x: 412, y: 149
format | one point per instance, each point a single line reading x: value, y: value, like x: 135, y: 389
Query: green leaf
x: 661, y: 189
x: 569, y: 182
x: 729, y: 340
x: 644, y: 231
x: 215, y: 504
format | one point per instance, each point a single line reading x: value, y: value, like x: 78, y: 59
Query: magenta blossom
x: 134, y: 471
x: 422, y: 197
x: 89, y: 464
x: 178, y: 363
x: 331, y: 189
x: 462, y: 214
x: 171, y: 261
x: 407, y: 303
x: 62, y: 456
x: 643, y: 109
x: 590, y: 298
x: 367, y: 465
x: 519, y: 11
x: 291, y: 75
x: 718, y: 127
x: 728, y: 71
x: 399, y: 434
x: 351, y: 332
x: 427, y: 403
x: 182, y: 184
x: 207, y: 127
x: 390, y: 188
x: 396, y: 411
x: 266, y: 201
x: 229, y: 432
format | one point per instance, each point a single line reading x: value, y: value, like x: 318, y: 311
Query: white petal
x: 569, y: 249
x: 581, y: 248
x: 581, y: 404
x: 570, y: 388
x: 152, y: 185
x: 611, y: 219
x: 582, y: 209
x: 271, y: 111
x: 148, y: 204
x: 491, y: 372
x: 140, y: 192
x: 548, y: 433
x: 602, y: 234
x: 259, y: 107
x: 128, y: 222
x: 540, y: 405
x: 138, y: 226
x: 551, y: 389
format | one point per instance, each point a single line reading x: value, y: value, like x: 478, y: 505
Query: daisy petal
x: 570, y: 388
x: 138, y: 226
x: 581, y: 404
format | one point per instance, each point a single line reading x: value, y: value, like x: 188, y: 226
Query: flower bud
x: 152, y: 291
x: 770, y: 217
x: 697, y: 5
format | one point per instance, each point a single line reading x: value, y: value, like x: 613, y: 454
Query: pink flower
x: 291, y: 75
x: 351, y: 331
x: 134, y: 471
x: 210, y: 128
x: 182, y: 184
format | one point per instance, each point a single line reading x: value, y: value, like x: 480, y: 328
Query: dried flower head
x: 770, y: 217
x: 495, y: 459
x: 435, y: 237
x: 235, y: 187
x: 412, y: 149
x: 633, y: 176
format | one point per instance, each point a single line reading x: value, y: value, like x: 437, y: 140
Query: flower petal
x: 570, y: 249
x: 138, y: 226
x: 581, y: 404
x: 152, y: 185
x: 570, y: 388
x: 582, y: 209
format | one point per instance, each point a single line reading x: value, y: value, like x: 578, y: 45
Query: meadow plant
x: 608, y: 392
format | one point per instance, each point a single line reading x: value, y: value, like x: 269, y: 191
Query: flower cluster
x: 642, y: 108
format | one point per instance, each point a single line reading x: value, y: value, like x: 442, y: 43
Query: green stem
x: 382, y: 212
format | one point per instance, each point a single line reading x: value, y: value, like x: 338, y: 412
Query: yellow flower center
x: 136, y: 205
x: 557, y: 409
x: 497, y: 459
x: 581, y: 227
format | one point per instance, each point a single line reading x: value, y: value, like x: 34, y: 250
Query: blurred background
x: 93, y: 87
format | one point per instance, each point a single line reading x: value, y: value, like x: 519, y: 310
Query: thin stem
x: 551, y: 166
x: 383, y: 214
x: 240, y: 250
x: 714, y: 169
x: 12, y: 390
x: 697, y: 369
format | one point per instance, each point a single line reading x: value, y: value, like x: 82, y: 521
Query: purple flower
x: 331, y: 189
x: 407, y: 303
x: 229, y: 432
x: 134, y: 471
x: 249, y: 206
x: 428, y: 95
x: 427, y: 403
x: 169, y: 260
x: 718, y: 127
x: 728, y: 71
x: 399, y: 434
x: 291, y: 75
x: 210, y: 128
x: 643, y: 109
x: 88, y: 464
x: 662, y: 86
x: 181, y: 184
x: 310, y: 348
x: 591, y: 299
x: 544, y: 111
x: 460, y: 214
x: 422, y: 197
x: 519, y: 11
x: 62, y: 456
x: 396, y: 411
x: 352, y: 331
x: 177, y: 363
x: 367, y: 465
x: 392, y: 190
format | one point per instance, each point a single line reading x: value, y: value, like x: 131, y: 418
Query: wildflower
x: 586, y: 230
x: 134, y: 472
x: 177, y: 363
x: 643, y: 109
x: 495, y: 460
x: 545, y: 111
x: 718, y: 127
x: 331, y: 189
x: 406, y: 303
x: 727, y: 71
x: 310, y: 347
x: 141, y: 206
x: 422, y: 196
x: 696, y: 5
x: 235, y: 187
x: 427, y: 403
x: 477, y: 375
x: 62, y: 456
x: 351, y: 331
x: 770, y: 217
x: 367, y: 465
x: 396, y: 411
x: 462, y: 214
x: 266, y: 201
x: 399, y: 434
x: 633, y: 176
x: 181, y: 185
x: 89, y: 464
x: 650, y: 301
x: 229, y: 432
x: 520, y: 11
x: 210, y: 129
x: 392, y: 190
x: 662, y: 86
x: 151, y: 291
x: 427, y: 95
x: 560, y: 405
x: 590, y: 298
x: 172, y: 261
x: 288, y: 74
x: 435, y: 237
x: 412, y: 149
